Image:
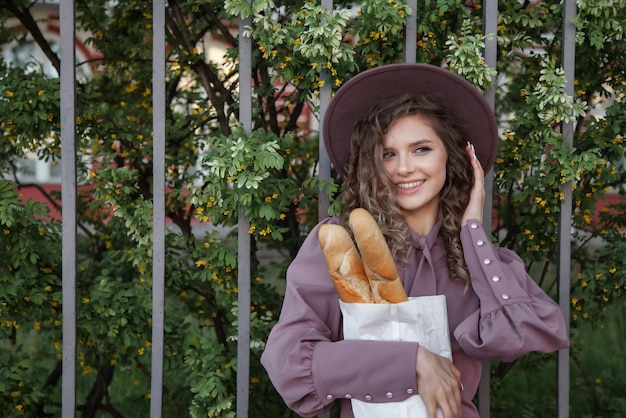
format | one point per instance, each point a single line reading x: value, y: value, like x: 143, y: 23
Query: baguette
x: 344, y: 264
x: 380, y: 268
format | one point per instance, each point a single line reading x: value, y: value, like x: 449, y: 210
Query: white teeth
x: 410, y: 185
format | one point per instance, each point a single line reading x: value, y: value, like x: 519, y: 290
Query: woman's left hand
x: 476, y: 203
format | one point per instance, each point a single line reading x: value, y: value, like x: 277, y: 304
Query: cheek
x: 388, y: 166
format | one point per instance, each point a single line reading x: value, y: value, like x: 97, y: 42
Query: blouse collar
x: 421, y: 242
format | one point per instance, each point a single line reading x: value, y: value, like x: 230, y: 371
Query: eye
x: 421, y: 149
x: 388, y: 154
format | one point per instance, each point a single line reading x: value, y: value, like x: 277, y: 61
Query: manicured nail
x: 474, y: 151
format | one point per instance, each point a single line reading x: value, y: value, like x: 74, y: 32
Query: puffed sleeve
x: 515, y: 315
x: 308, y: 361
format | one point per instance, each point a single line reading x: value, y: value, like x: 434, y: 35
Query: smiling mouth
x: 411, y: 184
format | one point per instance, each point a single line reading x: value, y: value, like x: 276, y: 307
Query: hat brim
x: 354, y: 99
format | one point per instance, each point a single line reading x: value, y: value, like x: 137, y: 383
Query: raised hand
x: 477, y: 196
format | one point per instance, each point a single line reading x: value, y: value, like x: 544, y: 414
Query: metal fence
x: 69, y: 182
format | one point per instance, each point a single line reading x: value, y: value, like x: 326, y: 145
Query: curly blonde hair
x: 367, y: 184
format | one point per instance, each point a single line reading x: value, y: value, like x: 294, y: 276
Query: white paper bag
x: 422, y: 319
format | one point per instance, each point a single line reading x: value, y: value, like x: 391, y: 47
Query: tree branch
x: 26, y: 19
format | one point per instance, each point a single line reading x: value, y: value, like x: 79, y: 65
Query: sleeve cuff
x: 370, y: 371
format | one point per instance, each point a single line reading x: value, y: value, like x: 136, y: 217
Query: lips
x: 410, y: 185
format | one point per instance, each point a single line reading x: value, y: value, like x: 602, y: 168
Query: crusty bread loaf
x: 379, y: 265
x: 344, y: 264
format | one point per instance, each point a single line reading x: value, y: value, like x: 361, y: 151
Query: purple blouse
x: 503, y: 315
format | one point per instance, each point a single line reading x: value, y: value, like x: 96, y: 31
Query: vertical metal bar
x: 67, y: 12
x: 410, y: 50
x: 158, y: 205
x: 490, y: 23
x: 243, y: 226
x: 324, y: 161
x: 565, y: 214
x: 324, y: 168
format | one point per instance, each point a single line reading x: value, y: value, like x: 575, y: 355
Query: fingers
x: 438, y: 384
x: 479, y: 173
x: 450, y: 403
x: 475, y: 206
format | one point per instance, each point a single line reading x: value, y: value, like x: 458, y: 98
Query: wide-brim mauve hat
x: 353, y: 101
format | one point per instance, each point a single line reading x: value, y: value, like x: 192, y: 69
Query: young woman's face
x: 415, y: 159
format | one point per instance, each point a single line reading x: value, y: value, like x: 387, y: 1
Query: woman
x: 412, y: 142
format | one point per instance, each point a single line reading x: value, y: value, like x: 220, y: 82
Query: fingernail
x: 462, y: 387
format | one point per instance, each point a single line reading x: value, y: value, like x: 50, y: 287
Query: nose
x: 404, y: 165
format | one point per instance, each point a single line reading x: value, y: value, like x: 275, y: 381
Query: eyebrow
x: 413, y: 143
